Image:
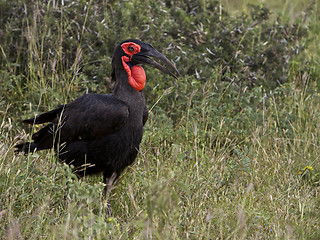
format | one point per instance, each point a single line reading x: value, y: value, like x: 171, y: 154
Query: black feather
x: 45, y: 117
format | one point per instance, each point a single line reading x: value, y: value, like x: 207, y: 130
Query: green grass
x: 231, y: 163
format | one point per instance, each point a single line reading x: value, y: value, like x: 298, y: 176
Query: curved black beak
x: 147, y: 51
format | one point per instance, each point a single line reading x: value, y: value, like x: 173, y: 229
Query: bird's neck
x: 122, y: 89
x: 134, y: 99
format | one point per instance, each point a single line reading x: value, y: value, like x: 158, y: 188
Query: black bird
x: 101, y: 133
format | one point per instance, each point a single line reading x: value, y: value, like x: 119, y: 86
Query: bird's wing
x: 92, y: 116
x: 89, y: 117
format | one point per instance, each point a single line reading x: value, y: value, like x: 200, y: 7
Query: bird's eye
x: 131, y: 48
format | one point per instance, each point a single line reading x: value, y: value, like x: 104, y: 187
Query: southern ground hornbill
x: 102, y: 132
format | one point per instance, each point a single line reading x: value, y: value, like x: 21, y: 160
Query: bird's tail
x: 26, y: 147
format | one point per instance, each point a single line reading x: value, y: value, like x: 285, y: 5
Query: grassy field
x: 219, y: 159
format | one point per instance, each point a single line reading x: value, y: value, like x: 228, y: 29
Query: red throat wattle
x: 136, y: 74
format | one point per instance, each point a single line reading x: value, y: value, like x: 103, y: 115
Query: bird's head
x: 129, y: 54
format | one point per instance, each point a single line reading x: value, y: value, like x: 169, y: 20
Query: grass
x: 203, y: 176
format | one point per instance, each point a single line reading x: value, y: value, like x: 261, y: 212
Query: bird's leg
x: 109, y: 183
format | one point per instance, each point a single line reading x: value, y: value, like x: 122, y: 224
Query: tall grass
x: 216, y: 162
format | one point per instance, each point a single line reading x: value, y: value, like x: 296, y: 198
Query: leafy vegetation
x: 231, y: 148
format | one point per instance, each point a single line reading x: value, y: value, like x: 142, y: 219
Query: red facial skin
x: 126, y: 49
x: 136, y: 74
